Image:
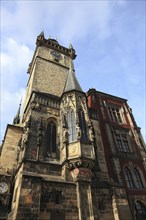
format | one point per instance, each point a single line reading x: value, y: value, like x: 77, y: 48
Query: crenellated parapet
x: 53, y: 44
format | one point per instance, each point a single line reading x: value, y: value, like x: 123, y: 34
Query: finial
x: 70, y: 46
x: 42, y: 34
x: 17, y: 117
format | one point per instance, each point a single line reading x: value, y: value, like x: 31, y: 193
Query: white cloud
x: 71, y: 20
x: 15, y: 58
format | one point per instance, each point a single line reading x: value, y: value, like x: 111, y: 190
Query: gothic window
x: 122, y: 142
x: 128, y: 178
x: 51, y: 136
x: 138, y: 181
x: 140, y: 211
x: 71, y: 126
x: 115, y: 115
x: 93, y: 98
x: 83, y: 127
x: 93, y: 114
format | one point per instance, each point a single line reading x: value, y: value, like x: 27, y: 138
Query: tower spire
x: 72, y: 82
x: 17, y: 117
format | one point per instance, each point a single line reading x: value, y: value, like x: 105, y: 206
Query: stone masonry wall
x: 49, y: 78
x: 44, y: 200
x: 10, y: 147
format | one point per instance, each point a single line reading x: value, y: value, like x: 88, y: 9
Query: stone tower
x: 53, y: 164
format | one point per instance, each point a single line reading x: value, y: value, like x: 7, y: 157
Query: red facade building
x: 123, y: 146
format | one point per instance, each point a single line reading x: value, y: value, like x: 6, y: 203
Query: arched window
x: 51, y: 137
x: 71, y: 126
x: 140, y: 211
x: 138, y: 181
x: 128, y: 178
x: 83, y: 127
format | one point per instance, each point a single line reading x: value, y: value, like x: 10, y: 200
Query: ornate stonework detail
x: 91, y: 134
x: 81, y: 174
x: 39, y: 138
x: 82, y: 103
x: 68, y: 101
x: 74, y: 151
x: 53, y: 113
x: 65, y: 135
x: 80, y: 164
x: 53, y: 44
x: 26, y: 131
x: 35, y: 106
x: 39, y: 134
x: 78, y: 131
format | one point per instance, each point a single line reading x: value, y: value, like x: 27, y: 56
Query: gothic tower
x: 53, y: 164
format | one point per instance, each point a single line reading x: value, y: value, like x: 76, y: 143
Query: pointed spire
x: 17, y: 117
x: 70, y: 46
x: 42, y: 34
x: 72, y: 82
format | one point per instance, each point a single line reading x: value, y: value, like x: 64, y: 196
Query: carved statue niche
x: 79, y: 132
x: 64, y: 121
x: 65, y: 135
x: 24, y: 140
x: 39, y: 134
x: 91, y: 134
x: 39, y: 137
x: 26, y: 131
x: 64, y: 131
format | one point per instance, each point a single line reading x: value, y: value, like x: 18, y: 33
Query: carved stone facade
x: 65, y: 159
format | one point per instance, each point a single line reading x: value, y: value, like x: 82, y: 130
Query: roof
x: 72, y: 82
x: 93, y: 91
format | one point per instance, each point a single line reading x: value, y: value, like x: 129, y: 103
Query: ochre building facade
x: 71, y: 155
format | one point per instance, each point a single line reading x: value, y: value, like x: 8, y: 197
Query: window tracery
x: 138, y: 181
x: 83, y: 127
x: 128, y: 178
x: 71, y: 126
x: 140, y: 210
x: 51, y: 137
x: 133, y: 178
x: 115, y: 114
x: 122, y: 143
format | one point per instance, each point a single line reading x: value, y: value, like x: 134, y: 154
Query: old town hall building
x: 71, y: 155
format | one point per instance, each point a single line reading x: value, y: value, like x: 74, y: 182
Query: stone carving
x: 26, y: 130
x: 91, y: 134
x: 65, y: 135
x: 24, y: 140
x: 78, y: 164
x: 78, y: 131
x: 64, y: 122
x: 39, y: 135
x: 35, y: 106
x: 81, y: 174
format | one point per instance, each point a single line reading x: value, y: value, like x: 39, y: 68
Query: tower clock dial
x: 56, y: 55
x: 3, y: 187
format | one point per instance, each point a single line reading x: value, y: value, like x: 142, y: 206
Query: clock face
x: 56, y: 55
x: 3, y: 187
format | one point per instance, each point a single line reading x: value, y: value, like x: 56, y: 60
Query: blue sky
x: 108, y: 36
